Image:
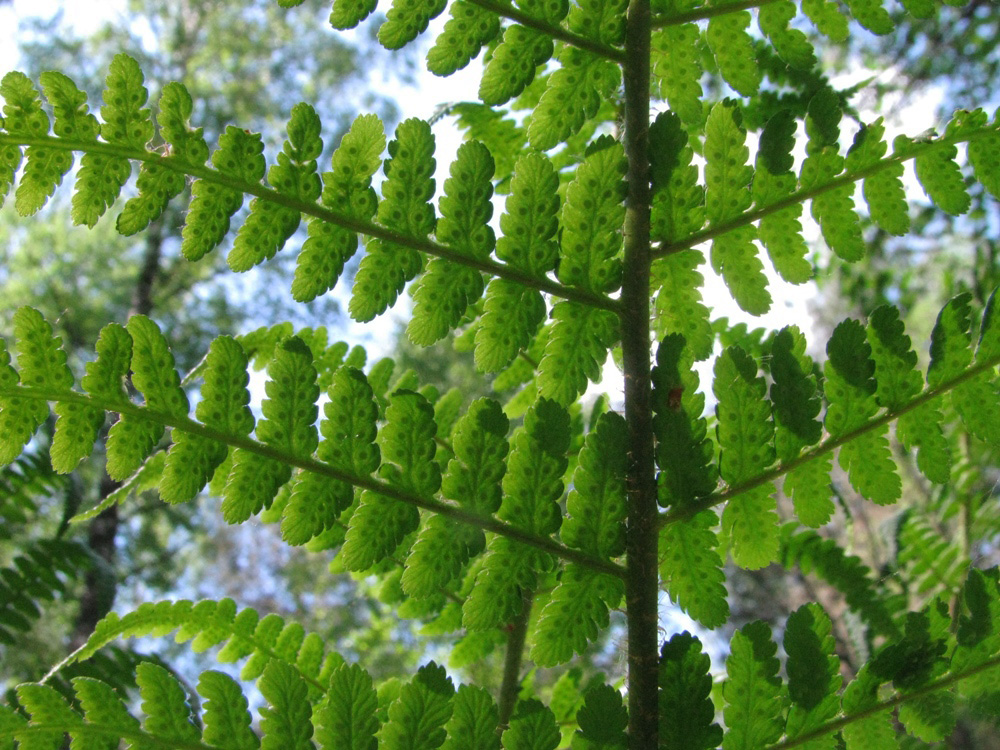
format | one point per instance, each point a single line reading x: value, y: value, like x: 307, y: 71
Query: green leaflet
x: 679, y: 306
x: 871, y: 15
x: 794, y: 395
x: 781, y: 231
x: 444, y: 293
x: 286, y: 722
x: 977, y: 631
x: 874, y: 732
x: 466, y: 32
x: 591, y: 220
x: 157, y: 184
x: 603, y: 720
x: 514, y: 62
x: 752, y: 691
x: 418, y: 715
x: 224, y: 405
x: 270, y: 224
x: 102, y: 705
x: 512, y: 313
x: 473, y: 722
x: 920, y: 8
x: 289, y: 425
x: 813, y: 670
x: 473, y: 480
x: 240, y: 155
x: 346, y: 189
x: 346, y: 14
x: 575, y: 350
x: 851, y: 395
x: 224, y: 713
x: 684, y: 453
x: 809, y: 487
x: 727, y: 194
x: 687, y: 715
x: 745, y: 432
x: 532, y: 489
x: 676, y: 62
x: 984, y: 156
x: 975, y: 400
x: 678, y: 206
x: 826, y: 15
x: 69, y: 106
x: 406, y: 19
x: 532, y: 727
x: 575, y: 615
x: 405, y: 207
x: 380, y: 523
x: 883, y: 190
x: 126, y: 123
x: 347, y: 718
x: 733, y: 49
x: 691, y: 568
x: 792, y: 45
x: 573, y: 94
x: 934, y: 564
x: 942, y: 179
x: 23, y: 115
x: 596, y: 504
x: 45, y: 167
x: 164, y: 702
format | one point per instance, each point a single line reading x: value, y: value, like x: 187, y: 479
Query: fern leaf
x: 576, y: 350
x: 286, y: 722
x: 575, y: 615
x: 46, y: 707
x: 512, y: 313
x: 603, y: 719
x: 871, y: 15
x: 406, y: 20
x: 932, y: 562
x: 792, y: 45
x: 466, y: 32
x: 684, y: 452
x: 984, y: 156
x: 532, y: 489
x: 733, y: 49
x: 727, y: 194
x: 102, y: 706
x: 158, y: 185
x: 408, y: 187
x: 931, y: 717
x: 472, y: 479
x: 851, y: 394
x: 794, y: 395
x: 446, y: 290
x: 942, y: 179
x: 780, y: 231
x: 687, y: 716
x: 678, y: 206
x: 873, y: 732
x: 573, y: 94
x: 346, y: 14
x: 164, y: 702
x: 515, y: 61
x: 418, y: 715
x: 752, y: 691
x: 288, y: 424
x: 225, y: 715
x: 126, y: 123
x: 813, y: 670
x: 691, y: 568
x: 676, y: 62
x: 883, y: 190
x: 347, y: 718
x: 347, y: 189
x: 951, y: 353
x: 349, y: 444
x: 224, y: 405
x: 240, y: 155
x: 745, y: 431
x: 920, y: 8
x: 25, y: 117
x: 679, y: 305
x: 270, y: 224
x: 380, y: 523
x: 532, y: 727
x: 592, y: 219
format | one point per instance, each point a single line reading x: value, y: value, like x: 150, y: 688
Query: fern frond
x: 347, y: 718
x: 346, y: 14
x: 884, y: 190
x: 405, y: 207
x: 676, y: 62
x: 733, y: 49
x: 466, y: 32
x: 792, y: 45
x: 418, y: 715
x: 575, y: 350
x: 687, y: 715
x: 532, y: 727
x: 813, y: 670
x: 443, y: 294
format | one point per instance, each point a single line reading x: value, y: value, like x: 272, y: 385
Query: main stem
x: 641, y: 586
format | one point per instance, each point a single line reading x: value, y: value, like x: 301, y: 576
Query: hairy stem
x: 511, y: 684
x: 701, y: 14
x: 641, y: 584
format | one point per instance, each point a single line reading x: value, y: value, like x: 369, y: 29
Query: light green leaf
x: 752, y: 691
x: 687, y: 715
